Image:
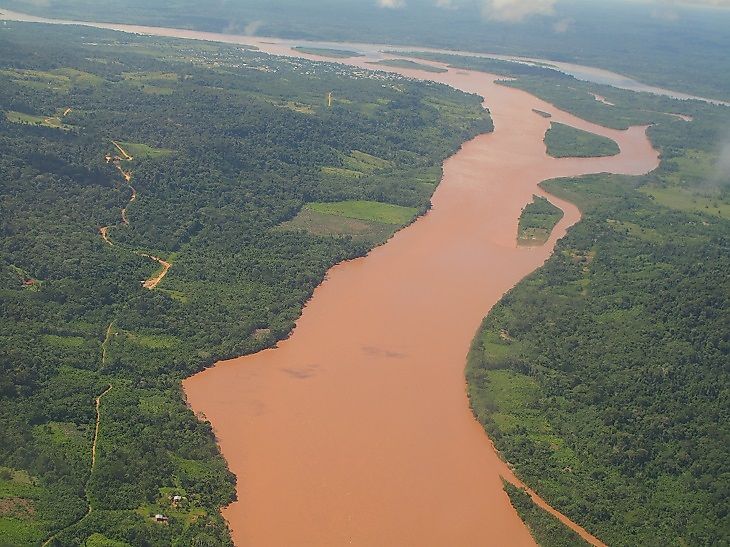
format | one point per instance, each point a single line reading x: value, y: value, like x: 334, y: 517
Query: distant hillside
x: 667, y: 45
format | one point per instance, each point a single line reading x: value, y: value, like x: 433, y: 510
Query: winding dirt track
x: 156, y: 279
x: 89, y: 508
x: 96, y: 429
x: 123, y: 151
x: 357, y: 430
x: 105, y: 343
x: 150, y: 283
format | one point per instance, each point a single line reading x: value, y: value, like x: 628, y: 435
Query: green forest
x: 603, y: 377
x: 546, y: 529
x: 563, y: 141
x: 673, y: 44
x: 537, y: 221
x: 224, y: 148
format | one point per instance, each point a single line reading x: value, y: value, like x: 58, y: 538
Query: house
x: 161, y: 518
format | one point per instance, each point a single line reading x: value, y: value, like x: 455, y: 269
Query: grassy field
x: 452, y: 111
x: 341, y: 172
x: 153, y: 89
x: 40, y: 80
x: 152, y: 341
x: 18, y: 496
x: 405, y: 63
x: 692, y: 184
x: 323, y: 224
x: 59, y: 80
x: 79, y: 78
x: 140, y: 150
x: 678, y: 198
x: 537, y: 222
x: 31, y: 119
x: 357, y: 164
x: 100, y: 540
x: 152, y: 83
x: 327, y: 52
x: 365, y: 163
x: 539, y: 384
x: 367, y: 210
x: 250, y: 134
x: 369, y: 221
x: 563, y: 141
x: 155, y: 76
x: 691, y: 168
x: 64, y: 341
x: 296, y: 106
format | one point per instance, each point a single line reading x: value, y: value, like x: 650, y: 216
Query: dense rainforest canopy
x: 227, y: 146
x: 603, y: 377
x: 671, y: 44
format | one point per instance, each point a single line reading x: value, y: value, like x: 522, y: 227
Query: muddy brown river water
x: 357, y: 429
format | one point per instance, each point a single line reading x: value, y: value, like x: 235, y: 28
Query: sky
x: 517, y: 10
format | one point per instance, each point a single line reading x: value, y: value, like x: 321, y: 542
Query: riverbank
x: 375, y: 51
x: 357, y: 428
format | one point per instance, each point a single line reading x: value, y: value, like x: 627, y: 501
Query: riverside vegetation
x: 537, y: 221
x: 230, y: 148
x: 603, y: 377
x: 632, y: 427
x: 563, y: 141
x: 675, y: 47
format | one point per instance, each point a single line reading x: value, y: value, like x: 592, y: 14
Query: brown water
x: 581, y: 72
x: 357, y: 429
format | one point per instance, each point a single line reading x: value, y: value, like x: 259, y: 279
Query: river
x: 375, y: 52
x: 357, y: 430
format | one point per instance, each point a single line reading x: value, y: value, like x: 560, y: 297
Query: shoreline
x: 260, y: 385
x: 361, y: 361
x: 381, y: 51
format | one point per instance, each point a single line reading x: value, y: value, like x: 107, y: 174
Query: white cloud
x: 714, y: 3
x: 516, y: 10
x: 722, y: 169
x: 391, y: 4
x: 664, y: 14
x: 666, y: 10
x: 446, y: 4
x: 252, y: 28
x: 661, y: 4
x: 563, y: 26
